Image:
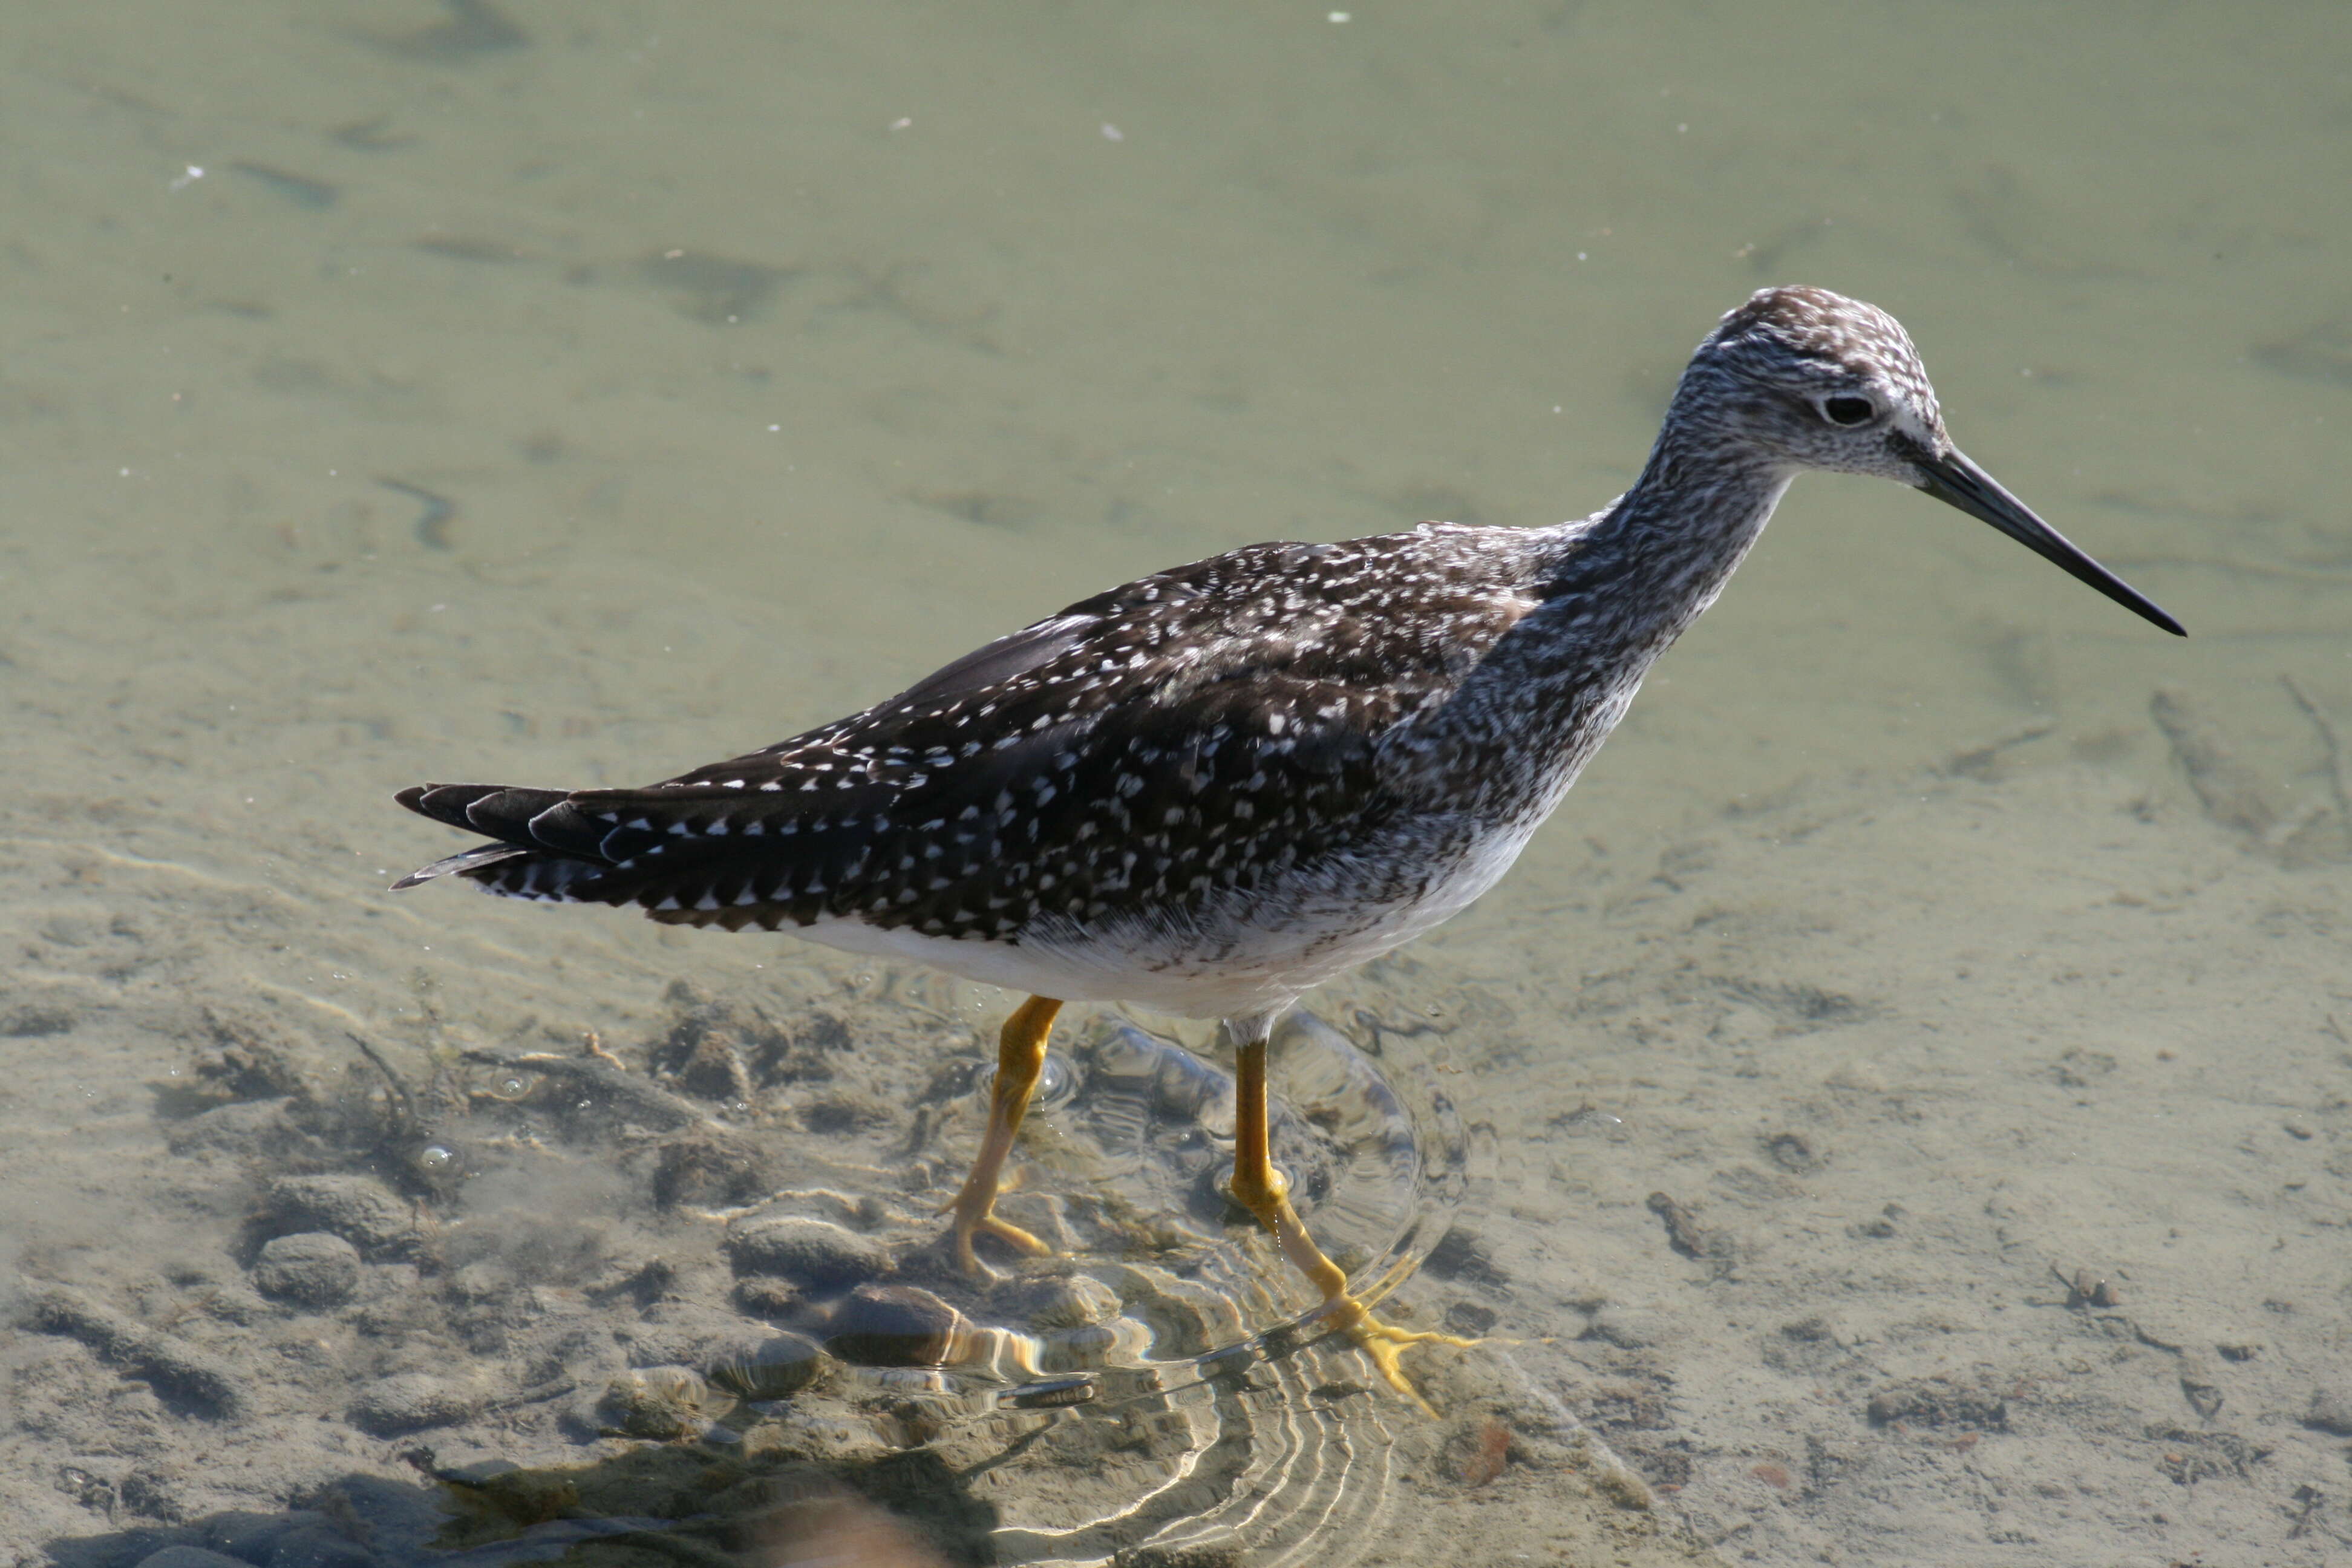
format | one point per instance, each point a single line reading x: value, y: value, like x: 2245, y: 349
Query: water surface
x: 574, y: 395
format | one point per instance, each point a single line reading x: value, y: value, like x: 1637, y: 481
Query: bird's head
x: 1808, y: 379
x: 1819, y: 381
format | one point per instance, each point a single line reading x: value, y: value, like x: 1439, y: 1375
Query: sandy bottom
x: 1839, y: 1192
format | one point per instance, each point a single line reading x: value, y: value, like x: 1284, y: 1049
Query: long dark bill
x: 1959, y: 482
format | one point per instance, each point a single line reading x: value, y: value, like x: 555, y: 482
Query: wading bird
x: 1213, y: 789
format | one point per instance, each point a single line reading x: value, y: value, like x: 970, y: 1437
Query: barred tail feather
x: 463, y: 863
x: 545, y: 844
x: 551, y: 849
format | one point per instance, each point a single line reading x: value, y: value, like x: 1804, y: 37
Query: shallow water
x: 574, y: 395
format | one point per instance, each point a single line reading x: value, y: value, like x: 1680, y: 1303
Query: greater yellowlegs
x: 1213, y: 788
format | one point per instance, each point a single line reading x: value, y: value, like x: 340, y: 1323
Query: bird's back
x: 1191, y: 758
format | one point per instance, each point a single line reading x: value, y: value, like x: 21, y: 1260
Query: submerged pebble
x: 1076, y: 1302
x: 775, y: 1366
x: 709, y: 1168
x: 2330, y: 1411
x: 312, y: 1269
x: 898, y: 1325
x: 413, y: 1400
x: 814, y: 1252
x: 360, y: 1209
x: 766, y: 1295
x: 661, y: 1402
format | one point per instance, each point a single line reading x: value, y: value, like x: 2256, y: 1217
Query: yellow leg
x: 1020, y: 1057
x: 1266, y: 1193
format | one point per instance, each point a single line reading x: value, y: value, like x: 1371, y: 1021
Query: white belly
x: 1257, y: 955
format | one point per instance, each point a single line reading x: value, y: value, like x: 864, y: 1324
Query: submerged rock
x: 813, y: 1252
x: 661, y: 1402
x: 312, y: 1269
x: 413, y: 1400
x: 707, y: 1168
x: 766, y: 1295
x: 772, y: 1366
x: 898, y: 1325
x: 2331, y: 1411
x: 1076, y: 1301
x: 360, y: 1209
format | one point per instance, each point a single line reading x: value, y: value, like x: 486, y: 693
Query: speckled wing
x: 1195, y: 732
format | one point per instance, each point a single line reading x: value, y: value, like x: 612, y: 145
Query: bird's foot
x: 1264, y: 1192
x: 1386, y: 1343
x: 975, y: 1214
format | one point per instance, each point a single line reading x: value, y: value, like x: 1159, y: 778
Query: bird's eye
x: 1848, y: 410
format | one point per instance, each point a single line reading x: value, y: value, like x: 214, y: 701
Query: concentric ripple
x: 1168, y: 1378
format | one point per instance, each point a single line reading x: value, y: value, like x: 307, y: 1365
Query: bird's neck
x: 1613, y: 593
x: 1637, y: 576
x: 1616, y: 590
